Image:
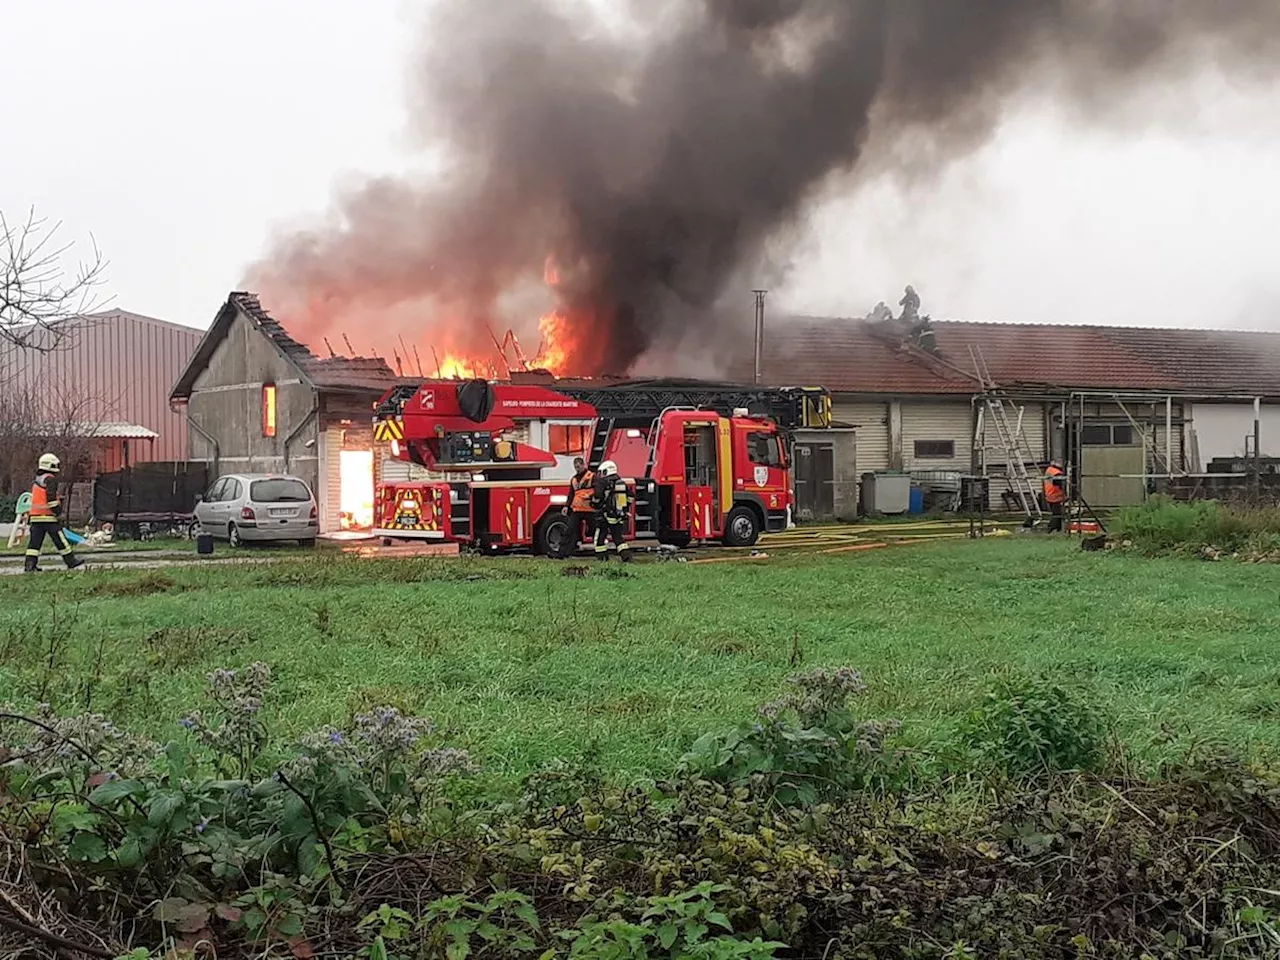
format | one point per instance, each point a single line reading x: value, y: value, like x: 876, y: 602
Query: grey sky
x: 182, y: 135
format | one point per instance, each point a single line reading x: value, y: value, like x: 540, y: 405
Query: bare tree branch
x: 36, y: 291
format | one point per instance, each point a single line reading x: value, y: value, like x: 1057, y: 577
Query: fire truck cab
x: 697, y: 473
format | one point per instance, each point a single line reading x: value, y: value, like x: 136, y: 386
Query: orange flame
x: 454, y: 367
x: 557, y: 339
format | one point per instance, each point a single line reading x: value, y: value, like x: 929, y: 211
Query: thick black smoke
x: 648, y: 171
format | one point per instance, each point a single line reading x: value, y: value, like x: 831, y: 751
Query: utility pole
x: 760, y: 295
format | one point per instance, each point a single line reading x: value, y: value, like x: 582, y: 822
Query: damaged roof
x: 861, y: 356
x: 361, y: 374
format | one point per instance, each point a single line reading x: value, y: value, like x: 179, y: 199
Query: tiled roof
x: 847, y: 356
x: 857, y: 356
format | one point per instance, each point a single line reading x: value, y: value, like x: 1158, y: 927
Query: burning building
x: 259, y: 401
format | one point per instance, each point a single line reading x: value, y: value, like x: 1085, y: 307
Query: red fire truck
x: 705, y: 462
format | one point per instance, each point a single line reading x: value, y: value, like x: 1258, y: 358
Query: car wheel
x: 233, y: 536
x: 741, y: 528
x: 554, y: 537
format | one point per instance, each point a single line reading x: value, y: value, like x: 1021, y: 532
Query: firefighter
x: 579, y: 508
x: 610, y: 499
x: 1055, y: 494
x: 46, y: 519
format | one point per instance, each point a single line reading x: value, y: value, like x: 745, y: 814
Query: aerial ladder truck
x: 705, y: 463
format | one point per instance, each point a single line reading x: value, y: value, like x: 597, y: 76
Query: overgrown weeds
x: 1034, y: 726
x: 1204, y: 528
x: 790, y: 836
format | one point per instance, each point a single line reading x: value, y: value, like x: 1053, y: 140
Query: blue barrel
x: 916, y: 502
x: 204, y: 544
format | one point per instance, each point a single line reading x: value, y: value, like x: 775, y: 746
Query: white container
x: 886, y: 494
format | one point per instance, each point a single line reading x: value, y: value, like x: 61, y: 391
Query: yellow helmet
x: 50, y: 463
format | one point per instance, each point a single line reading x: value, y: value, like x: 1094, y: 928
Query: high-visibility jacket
x: 44, y: 499
x: 580, y: 488
x: 1054, y: 491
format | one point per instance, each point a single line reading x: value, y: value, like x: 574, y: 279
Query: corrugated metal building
x: 108, y: 371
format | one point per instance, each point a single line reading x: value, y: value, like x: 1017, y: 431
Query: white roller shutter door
x: 329, y: 474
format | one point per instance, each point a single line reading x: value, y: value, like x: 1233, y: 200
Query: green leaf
x: 162, y: 807
x: 378, y: 949
x: 667, y: 934
x: 69, y: 818
x: 130, y: 853
x: 528, y: 914
x: 720, y: 920
x: 309, y: 855
x: 114, y: 791
x: 458, y: 950
x: 87, y: 846
x: 288, y: 926
x: 267, y: 788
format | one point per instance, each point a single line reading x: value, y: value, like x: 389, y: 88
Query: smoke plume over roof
x: 627, y: 178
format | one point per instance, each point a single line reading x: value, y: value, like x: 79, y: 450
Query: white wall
x: 1221, y: 429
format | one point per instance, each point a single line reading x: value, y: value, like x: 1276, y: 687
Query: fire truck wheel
x: 741, y: 528
x: 553, y: 537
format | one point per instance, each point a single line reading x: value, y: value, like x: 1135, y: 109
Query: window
x: 569, y: 440
x: 935, y: 449
x: 231, y: 491
x: 762, y: 449
x: 215, y: 492
x: 279, y: 490
x: 268, y: 409
x: 1107, y: 435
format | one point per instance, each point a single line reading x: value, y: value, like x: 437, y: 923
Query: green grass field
x: 522, y: 664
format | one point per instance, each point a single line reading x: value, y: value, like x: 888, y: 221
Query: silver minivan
x: 257, y: 507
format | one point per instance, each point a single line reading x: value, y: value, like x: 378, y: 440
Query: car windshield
x: 279, y: 491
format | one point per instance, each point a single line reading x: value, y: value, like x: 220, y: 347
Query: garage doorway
x: 355, y: 489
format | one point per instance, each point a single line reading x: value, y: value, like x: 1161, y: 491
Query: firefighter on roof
x: 579, y: 509
x: 610, y: 498
x: 46, y: 520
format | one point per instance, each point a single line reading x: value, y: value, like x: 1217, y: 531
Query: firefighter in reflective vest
x: 610, y: 498
x: 46, y: 520
x: 579, y: 509
x: 1055, y: 494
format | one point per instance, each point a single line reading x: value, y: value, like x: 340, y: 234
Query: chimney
x: 760, y: 294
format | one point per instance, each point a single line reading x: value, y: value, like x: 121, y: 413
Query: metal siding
x: 121, y: 365
x: 871, y: 422
x: 938, y: 421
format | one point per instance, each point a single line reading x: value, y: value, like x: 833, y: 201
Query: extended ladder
x: 1010, y: 437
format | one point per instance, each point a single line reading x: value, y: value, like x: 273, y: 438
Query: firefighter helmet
x: 50, y: 463
x: 607, y: 468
